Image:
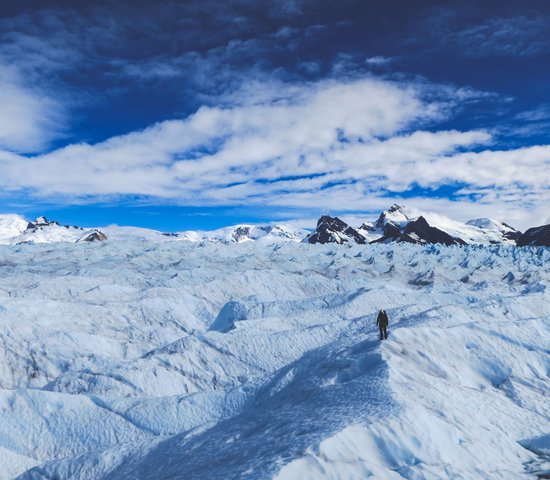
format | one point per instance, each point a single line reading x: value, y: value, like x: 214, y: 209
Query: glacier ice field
x: 141, y: 359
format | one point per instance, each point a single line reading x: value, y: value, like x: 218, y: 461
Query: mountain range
x: 399, y: 224
x: 403, y: 224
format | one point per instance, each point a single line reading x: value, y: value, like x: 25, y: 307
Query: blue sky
x: 200, y: 114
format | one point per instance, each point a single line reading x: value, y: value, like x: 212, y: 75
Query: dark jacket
x: 382, y: 320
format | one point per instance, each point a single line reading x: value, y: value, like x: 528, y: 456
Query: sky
x: 191, y: 114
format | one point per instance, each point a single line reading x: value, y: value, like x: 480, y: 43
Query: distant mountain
x: 537, y: 236
x: 396, y: 224
x: 403, y: 224
x: 409, y: 225
x: 14, y: 229
x: 417, y: 231
x: 333, y: 230
x: 502, y: 230
x: 244, y: 233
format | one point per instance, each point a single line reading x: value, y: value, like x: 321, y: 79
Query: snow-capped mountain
x: 409, y: 225
x: 417, y: 231
x: 504, y: 232
x: 166, y: 359
x: 397, y: 224
x: 245, y: 233
x: 333, y: 230
x: 537, y: 236
x: 393, y: 223
x: 14, y: 229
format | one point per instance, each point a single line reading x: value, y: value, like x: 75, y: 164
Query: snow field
x: 143, y: 359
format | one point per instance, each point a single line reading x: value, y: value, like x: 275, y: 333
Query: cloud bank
x: 337, y: 145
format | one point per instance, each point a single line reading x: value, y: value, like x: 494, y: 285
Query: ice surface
x: 158, y: 358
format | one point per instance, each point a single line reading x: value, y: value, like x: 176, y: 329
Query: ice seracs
x: 167, y: 359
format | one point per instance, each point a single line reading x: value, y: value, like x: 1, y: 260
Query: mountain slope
x: 417, y: 231
x: 537, y: 236
x: 11, y: 226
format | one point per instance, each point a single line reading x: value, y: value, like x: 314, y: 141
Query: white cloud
x: 332, y: 145
x: 378, y: 60
x: 29, y: 120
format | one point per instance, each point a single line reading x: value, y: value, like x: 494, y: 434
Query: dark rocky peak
x: 333, y: 230
x: 242, y: 232
x: 422, y: 231
x: 537, y: 237
x: 94, y: 236
x: 42, y: 222
x: 418, y: 231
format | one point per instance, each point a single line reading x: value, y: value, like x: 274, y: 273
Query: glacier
x: 155, y: 358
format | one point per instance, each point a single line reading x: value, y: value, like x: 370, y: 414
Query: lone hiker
x: 382, y: 322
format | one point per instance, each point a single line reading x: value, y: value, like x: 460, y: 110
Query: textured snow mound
x: 167, y: 359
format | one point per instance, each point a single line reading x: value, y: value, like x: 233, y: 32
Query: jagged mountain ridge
x: 403, y: 224
x: 397, y: 224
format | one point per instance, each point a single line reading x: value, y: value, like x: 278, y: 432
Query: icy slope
x: 147, y: 359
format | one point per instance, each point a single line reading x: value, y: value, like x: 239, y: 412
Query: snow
x: 14, y: 229
x: 145, y: 356
x: 247, y: 233
x: 11, y: 225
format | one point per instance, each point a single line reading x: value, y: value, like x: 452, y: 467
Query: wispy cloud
x: 455, y: 31
x: 29, y: 118
x: 512, y: 36
x: 538, y: 114
x: 378, y: 60
x: 325, y: 145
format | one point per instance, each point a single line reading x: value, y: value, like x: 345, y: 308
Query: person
x: 382, y: 322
